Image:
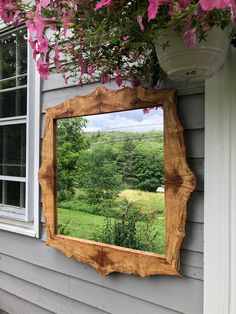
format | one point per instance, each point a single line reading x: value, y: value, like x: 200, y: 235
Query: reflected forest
x: 110, y: 179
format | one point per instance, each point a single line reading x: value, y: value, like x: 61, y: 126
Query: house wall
x: 38, y: 279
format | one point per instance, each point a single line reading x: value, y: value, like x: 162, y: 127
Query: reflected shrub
x: 132, y: 228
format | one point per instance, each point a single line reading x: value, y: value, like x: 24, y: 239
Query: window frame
x: 30, y: 224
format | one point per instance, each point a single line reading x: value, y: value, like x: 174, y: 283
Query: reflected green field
x: 149, y: 234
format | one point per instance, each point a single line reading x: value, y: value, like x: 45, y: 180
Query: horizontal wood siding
x: 38, y: 279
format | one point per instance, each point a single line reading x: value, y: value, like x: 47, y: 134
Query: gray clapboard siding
x: 191, y: 111
x: 161, y: 290
x: 84, y: 292
x: 191, y: 258
x: 194, y: 140
x: 14, y: 305
x: 80, y: 291
x: 194, y: 237
x: 41, y: 297
x: 196, y: 207
x: 197, y: 165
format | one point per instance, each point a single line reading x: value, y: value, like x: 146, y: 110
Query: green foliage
x: 133, y: 228
x: 148, y: 167
x: 63, y: 228
x: 70, y: 142
x: 100, y: 177
x: 138, y: 157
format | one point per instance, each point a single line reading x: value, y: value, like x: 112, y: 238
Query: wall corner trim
x: 220, y: 191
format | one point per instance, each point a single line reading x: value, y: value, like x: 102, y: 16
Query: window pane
x: 13, y: 103
x: 12, y: 193
x: 13, y: 54
x: 13, y: 150
x: 13, y: 82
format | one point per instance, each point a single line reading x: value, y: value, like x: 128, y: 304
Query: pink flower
x: 83, y: 65
x: 43, y: 69
x: 233, y: 16
x: 65, y: 79
x: 43, y: 46
x: 135, y: 83
x: 184, y: 3
x: 90, y: 70
x: 8, y: 11
x: 119, y: 80
x: 105, y: 79
x: 140, y: 22
x: 17, y: 19
x: 152, y: 9
x: 104, y: 3
x: 190, y: 37
x: 45, y: 3
x: 146, y: 110
x: 70, y: 48
x: 208, y: 5
x: 57, y: 57
x: 119, y: 71
x: 125, y: 37
x: 68, y: 21
x: 39, y: 23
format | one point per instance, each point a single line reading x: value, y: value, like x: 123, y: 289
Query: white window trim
x: 33, y: 151
x: 220, y: 191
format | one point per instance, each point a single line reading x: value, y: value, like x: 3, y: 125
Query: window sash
x: 11, y: 211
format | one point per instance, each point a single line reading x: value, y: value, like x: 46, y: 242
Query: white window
x: 19, y: 134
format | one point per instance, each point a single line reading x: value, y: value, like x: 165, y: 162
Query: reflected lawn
x: 89, y: 226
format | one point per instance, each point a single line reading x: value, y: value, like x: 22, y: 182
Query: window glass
x: 13, y: 150
x: 13, y: 103
x: 12, y: 193
x: 13, y: 54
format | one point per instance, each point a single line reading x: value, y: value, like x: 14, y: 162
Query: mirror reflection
x: 110, y: 179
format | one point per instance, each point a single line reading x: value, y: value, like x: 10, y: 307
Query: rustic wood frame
x: 179, y: 183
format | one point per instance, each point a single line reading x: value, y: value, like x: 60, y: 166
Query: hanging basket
x: 192, y: 64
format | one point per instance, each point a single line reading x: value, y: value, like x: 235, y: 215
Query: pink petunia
x: 215, y: 4
x: 90, y: 70
x: 119, y: 80
x: 105, y: 79
x: 184, y: 3
x: 125, y: 37
x: 146, y: 110
x: 118, y: 71
x: 152, y: 9
x: 104, y: 3
x: 190, y: 37
x: 57, y: 57
x: 45, y: 3
x: 43, y: 69
x: 140, y: 22
x: 43, y: 46
x: 40, y: 23
x: 68, y: 21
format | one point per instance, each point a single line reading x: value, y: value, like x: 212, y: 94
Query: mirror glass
x: 110, y: 179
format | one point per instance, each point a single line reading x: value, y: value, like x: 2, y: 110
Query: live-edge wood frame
x: 179, y: 183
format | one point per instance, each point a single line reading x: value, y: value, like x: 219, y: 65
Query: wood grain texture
x: 179, y: 183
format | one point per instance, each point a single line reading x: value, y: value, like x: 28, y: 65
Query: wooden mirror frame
x: 179, y: 183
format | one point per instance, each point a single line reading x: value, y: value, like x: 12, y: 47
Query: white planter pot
x: 192, y: 64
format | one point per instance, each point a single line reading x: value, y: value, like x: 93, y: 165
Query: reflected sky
x: 132, y: 121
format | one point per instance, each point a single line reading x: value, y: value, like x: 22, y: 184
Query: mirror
x: 115, y: 182
x: 110, y: 179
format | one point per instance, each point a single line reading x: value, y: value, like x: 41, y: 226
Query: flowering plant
x: 89, y: 40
